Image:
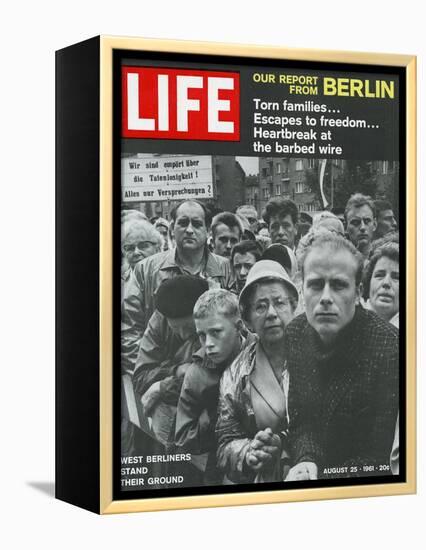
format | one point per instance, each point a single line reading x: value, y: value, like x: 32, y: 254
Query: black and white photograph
x: 213, y: 296
x: 260, y: 317
x: 260, y: 290
x: 246, y: 324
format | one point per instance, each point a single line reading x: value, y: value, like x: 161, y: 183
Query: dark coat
x: 343, y: 404
x: 197, y: 408
x: 160, y: 354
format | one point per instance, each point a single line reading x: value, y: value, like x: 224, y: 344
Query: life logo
x: 180, y: 104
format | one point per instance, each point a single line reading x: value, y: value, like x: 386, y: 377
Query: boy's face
x: 219, y: 336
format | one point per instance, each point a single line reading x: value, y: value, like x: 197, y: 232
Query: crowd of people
x: 267, y: 349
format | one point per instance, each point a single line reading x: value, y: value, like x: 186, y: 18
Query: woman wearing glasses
x: 252, y: 415
x: 139, y: 239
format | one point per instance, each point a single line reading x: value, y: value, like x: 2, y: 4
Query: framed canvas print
x: 235, y: 274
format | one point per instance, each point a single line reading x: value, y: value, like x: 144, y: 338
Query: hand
x: 150, y: 398
x: 267, y: 441
x: 303, y: 471
x: 263, y: 449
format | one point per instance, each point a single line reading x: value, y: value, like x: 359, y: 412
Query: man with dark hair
x: 343, y: 363
x: 386, y: 222
x: 282, y: 217
x: 360, y: 214
x: 226, y: 233
x: 243, y: 257
x: 190, y: 224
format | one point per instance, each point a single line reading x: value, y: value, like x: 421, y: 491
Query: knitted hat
x: 176, y: 297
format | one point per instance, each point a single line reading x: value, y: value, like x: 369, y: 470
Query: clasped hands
x: 263, y: 450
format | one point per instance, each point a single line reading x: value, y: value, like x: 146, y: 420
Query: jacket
x: 197, y: 408
x: 236, y: 425
x: 343, y: 403
x: 138, y: 301
x: 160, y: 354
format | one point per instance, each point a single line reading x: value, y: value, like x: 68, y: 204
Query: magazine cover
x: 261, y: 235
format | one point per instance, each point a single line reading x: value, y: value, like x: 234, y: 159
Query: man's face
x: 251, y: 216
x: 190, y: 229
x: 184, y: 327
x: 361, y: 226
x: 137, y: 246
x: 225, y: 238
x: 242, y: 263
x: 386, y: 223
x: 219, y: 336
x: 271, y: 309
x: 282, y: 230
x: 330, y: 291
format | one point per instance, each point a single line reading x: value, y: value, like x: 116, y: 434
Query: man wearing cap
x: 190, y: 223
x: 253, y: 413
x: 343, y: 363
x: 165, y: 353
x: 169, y: 342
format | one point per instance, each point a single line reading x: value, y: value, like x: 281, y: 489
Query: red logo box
x: 180, y: 104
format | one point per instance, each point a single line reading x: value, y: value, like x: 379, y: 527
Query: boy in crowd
x: 218, y: 324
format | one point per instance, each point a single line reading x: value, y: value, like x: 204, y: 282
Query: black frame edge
x: 77, y: 452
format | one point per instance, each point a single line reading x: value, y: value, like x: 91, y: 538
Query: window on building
x: 299, y: 164
x: 311, y: 163
x: 278, y: 189
x: 278, y: 168
x: 385, y: 167
x: 299, y: 187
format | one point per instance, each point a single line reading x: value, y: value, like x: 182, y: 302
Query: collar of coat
x: 212, y: 265
x: 201, y: 358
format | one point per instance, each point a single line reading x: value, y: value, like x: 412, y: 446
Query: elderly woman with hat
x: 252, y: 415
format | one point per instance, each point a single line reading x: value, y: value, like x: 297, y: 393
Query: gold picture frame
x: 106, y: 46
